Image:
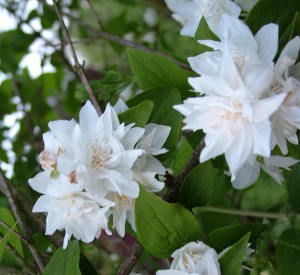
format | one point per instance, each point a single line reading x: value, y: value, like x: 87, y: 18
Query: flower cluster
x: 195, y: 258
x: 246, y: 103
x: 92, y: 170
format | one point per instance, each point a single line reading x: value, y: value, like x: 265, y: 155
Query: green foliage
x: 294, y: 188
x: 162, y: 227
x: 152, y: 70
x: 138, y: 115
x: 64, y: 261
x: 197, y: 186
x: 223, y: 237
x: 230, y: 262
x: 163, y: 98
x: 6, y: 256
x: 288, y: 252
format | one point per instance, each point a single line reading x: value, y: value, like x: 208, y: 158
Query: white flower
x: 69, y: 207
x: 192, y: 12
x: 243, y: 46
x: 194, y: 258
x: 78, y: 214
x: 123, y: 210
x: 249, y: 173
x: 286, y: 120
x: 234, y: 118
x: 146, y: 167
x: 246, y: 5
x: 104, y: 153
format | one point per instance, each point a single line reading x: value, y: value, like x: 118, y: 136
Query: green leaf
x: 64, y: 261
x: 162, y: 227
x: 231, y: 261
x: 293, y: 188
x: 153, y: 70
x: 163, y: 98
x: 48, y: 18
x: 197, y: 186
x: 138, y: 114
x: 224, y: 237
x: 288, y: 252
x: 203, y: 32
x: 86, y: 267
x: 7, y: 257
x: 281, y: 12
x: 4, y: 240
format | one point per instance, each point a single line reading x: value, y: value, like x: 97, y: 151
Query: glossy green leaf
x: 138, y: 115
x: 64, y: 261
x: 203, y: 32
x: 197, y: 186
x: 163, y: 227
x: 224, y: 237
x: 288, y: 252
x: 153, y: 70
x: 231, y: 261
x: 293, y: 188
x: 164, y: 98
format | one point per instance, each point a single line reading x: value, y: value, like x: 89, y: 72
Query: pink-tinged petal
x: 246, y: 176
x: 267, y: 41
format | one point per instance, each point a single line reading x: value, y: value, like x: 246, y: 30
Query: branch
x: 5, y: 188
x: 117, y: 39
x: 96, y: 15
x: 170, y: 196
x: 78, y: 68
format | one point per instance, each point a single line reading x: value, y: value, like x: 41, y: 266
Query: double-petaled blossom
x: 286, y: 80
x: 231, y: 113
x: 83, y: 163
x: 194, y: 258
x: 189, y: 13
x: 93, y: 170
x: 246, y: 49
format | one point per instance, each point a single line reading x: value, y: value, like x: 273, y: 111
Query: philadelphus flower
x: 286, y: 121
x: 194, y: 258
x: 234, y: 118
x: 243, y: 46
x: 90, y: 171
x: 189, y: 13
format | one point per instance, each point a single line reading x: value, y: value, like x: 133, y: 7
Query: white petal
x: 246, y: 176
x: 267, y: 40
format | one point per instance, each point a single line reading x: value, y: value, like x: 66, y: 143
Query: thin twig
x: 119, y: 40
x: 78, y: 68
x: 254, y: 214
x: 96, y: 15
x: 20, y: 259
x: 170, y: 196
x: 4, y: 187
